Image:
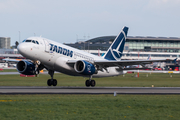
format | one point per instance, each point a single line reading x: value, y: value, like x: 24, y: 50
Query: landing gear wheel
x: 54, y: 83
x: 87, y: 83
x: 49, y: 82
x: 93, y: 83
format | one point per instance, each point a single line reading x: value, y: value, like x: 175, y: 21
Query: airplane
x: 44, y: 53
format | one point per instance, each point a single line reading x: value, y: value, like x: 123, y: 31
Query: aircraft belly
x: 61, y: 66
x: 68, y: 72
x: 111, y: 72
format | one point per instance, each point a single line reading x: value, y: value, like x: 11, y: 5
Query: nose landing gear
x: 37, y: 64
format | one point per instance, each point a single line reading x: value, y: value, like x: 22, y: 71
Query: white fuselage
x: 54, y: 56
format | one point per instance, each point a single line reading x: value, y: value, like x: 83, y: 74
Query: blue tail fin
x: 116, y: 49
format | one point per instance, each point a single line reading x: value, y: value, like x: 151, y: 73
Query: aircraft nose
x: 21, y: 48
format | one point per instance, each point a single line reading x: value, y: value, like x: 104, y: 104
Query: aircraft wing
x: 11, y: 60
x: 14, y: 60
x: 103, y: 64
x: 124, y: 63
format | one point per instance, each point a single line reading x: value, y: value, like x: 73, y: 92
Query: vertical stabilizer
x: 116, y: 49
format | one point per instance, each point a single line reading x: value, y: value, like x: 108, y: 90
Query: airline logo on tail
x: 116, y: 49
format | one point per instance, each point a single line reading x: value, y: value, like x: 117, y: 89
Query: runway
x: 90, y: 90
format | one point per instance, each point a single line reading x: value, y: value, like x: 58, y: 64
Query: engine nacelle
x: 84, y: 67
x: 25, y: 67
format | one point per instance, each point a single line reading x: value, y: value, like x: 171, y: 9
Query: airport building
x: 135, y: 47
x: 5, y: 42
x: 158, y: 47
x: 9, y: 51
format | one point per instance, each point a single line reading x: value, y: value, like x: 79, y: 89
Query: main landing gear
x: 51, y: 81
x: 90, y: 82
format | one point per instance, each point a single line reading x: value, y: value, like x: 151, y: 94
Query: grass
x: 99, y: 107
x: 156, y: 79
x: 80, y: 107
x: 8, y: 70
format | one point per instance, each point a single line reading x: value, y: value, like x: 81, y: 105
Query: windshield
x: 31, y: 41
x: 28, y: 40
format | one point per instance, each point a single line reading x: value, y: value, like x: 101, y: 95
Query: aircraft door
x: 47, y: 46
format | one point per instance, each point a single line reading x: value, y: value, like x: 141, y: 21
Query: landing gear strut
x: 36, y: 71
x: 90, y: 82
x: 51, y: 81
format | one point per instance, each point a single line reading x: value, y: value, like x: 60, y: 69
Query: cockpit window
x: 33, y: 41
x: 37, y: 42
x: 28, y: 40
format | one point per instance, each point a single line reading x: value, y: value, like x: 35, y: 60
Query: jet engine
x: 25, y: 67
x: 84, y: 67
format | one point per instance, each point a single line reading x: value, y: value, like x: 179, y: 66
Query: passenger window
x: 33, y: 41
x: 37, y: 42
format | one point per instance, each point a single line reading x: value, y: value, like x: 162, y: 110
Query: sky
x: 66, y: 21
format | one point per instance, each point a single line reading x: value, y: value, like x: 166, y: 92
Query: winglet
x: 116, y: 49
